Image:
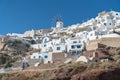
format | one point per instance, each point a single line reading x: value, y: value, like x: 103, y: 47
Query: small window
x: 94, y: 28
x: 44, y: 45
x: 79, y: 41
x: 73, y: 52
x: 74, y: 41
x: 39, y: 56
x: 78, y: 52
x: 116, y: 13
x: 34, y: 57
x: 73, y: 47
x: 45, y: 40
x: 91, y: 34
x: 58, y: 48
x: 78, y: 46
x: 46, y: 56
x: 105, y: 24
x: 109, y: 23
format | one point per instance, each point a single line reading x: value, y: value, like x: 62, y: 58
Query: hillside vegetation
x: 12, y: 51
x: 76, y: 71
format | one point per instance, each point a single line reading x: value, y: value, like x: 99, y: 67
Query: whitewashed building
x: 46, y: 57
x: 61, y: 48
x: 36, y: 46
x: 75, y: 46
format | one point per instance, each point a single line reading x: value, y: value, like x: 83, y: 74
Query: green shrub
x: 118, y: 49
x: 92, y: 65
x: 28, y: 45
x: 18, y: 41
x: 116, y: 57
x: 106, y: 65
x: 8, y: 64
x: 1, y: 76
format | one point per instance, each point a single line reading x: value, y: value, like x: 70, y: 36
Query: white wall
x: 81, y: 34
x: 36, y: 55
x: 46, y: 46
x: 62, y: 48
x: 109, y: 24
x: 71, y: 43
x: 59, y: 24
x: 47, y: 57
x: 36, y: 46
x: 92, y: 35
x: 116, y: 14
x: 46, y: 39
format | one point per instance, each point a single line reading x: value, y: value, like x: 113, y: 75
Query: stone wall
x: 58, y: 57
x: 112, y: 42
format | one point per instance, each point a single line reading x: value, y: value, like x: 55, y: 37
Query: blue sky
x: 17, y: 16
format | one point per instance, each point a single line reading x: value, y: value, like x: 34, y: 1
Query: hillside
x: 76, y: 71
x: 42, y: 54
x: 12, y: 50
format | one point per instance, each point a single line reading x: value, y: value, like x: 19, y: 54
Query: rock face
x: 15, y: 46
x: 11, y: 49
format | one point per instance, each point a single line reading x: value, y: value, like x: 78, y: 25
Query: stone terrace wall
x: 112, y: 42
x: 58, y: 57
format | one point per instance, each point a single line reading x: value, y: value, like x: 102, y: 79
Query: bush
x: 118, y: 61
x: 106, y: 65
x: 9, y: 63
x: 28, y: 45
x: 116, y: 57
x: 93, y: 65
x: 18, y: 41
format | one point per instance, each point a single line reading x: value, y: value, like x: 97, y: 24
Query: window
x: 116, y: 13
x: 45, y: 40
x: 78, y: 52
x: 34, y: 57
x: 58, y: 48
x: 39, y: 56
x: 103, y: 20
x: 109, y: 23
x: 105, y: 24
x: 78, y: 46
x: 91, y: 34
x: 94, y: 28
x: 73, y: 52
x: 73, y: 47
x: 44, y: 45
x: 74, y: 41
x: 79, y: 41
x: 45, y: 56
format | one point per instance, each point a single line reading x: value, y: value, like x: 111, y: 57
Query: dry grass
x: 76, y: 71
